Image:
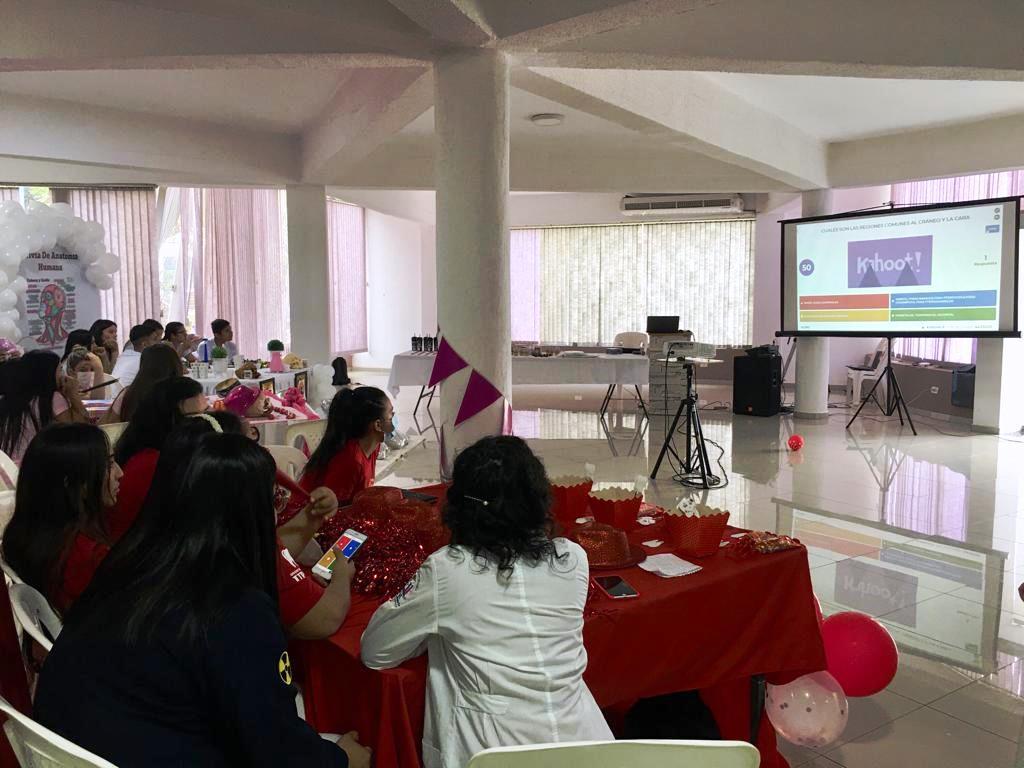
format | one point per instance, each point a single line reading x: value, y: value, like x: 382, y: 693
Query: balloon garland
x: 40, y: 227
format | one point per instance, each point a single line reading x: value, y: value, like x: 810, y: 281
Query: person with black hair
x: 222, y: 337
x: 157, y: 363
x: 127, y: 366
x: 175, y: 655
x: 139, y: 446
x: 499, y: 613
x: 36, y: 393
x: 58, y: 534
x: 358, y: 421
x: 104, y: 343
x: 183, y: 342
x: 155, y: 328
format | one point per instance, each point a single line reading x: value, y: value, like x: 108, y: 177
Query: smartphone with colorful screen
x: 348, y: 544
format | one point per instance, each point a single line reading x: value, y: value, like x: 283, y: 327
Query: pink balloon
x: 861, y: 653
x: 811, y: 711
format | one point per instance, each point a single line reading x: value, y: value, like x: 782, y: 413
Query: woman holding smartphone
x: 175, y: 654
x: 499, y: 614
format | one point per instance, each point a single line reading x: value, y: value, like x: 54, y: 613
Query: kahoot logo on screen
x: 896, y: 261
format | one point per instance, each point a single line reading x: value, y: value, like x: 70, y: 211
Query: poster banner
x: 58, y: 299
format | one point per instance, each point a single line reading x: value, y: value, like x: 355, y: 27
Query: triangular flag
x: 480, y: 393
x: 446, y: 363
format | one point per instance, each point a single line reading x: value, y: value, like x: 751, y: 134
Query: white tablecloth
x: 413, y: 370
x: 281, y: 380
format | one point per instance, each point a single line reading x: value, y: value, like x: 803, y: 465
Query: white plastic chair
x: 288, y: 458
x: 114, y: 431
x: 35, y: 615
x: 12, y: 577
x: 311, y: 431
x: 8, y: 473
x: 39, y: 747
x: 619, y: 754
x: 631, y: 339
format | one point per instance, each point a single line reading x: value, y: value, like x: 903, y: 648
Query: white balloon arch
x: 40, y: 227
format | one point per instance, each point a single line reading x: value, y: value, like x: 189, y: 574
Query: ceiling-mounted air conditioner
x: 681, y: 206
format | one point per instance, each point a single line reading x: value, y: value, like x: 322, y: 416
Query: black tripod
x: 894, y: 402
x: 697, y: 463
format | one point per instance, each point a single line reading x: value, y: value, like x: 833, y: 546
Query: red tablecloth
x: 710, y: 631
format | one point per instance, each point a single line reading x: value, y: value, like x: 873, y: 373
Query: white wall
x: 394, y: 293
x: 428, y: 269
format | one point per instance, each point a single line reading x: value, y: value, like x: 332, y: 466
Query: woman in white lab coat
x: 499, y: 613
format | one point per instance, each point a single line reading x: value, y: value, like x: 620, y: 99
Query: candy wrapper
x: 695, y: 530
x: 618, y: 507
x: 388, y: 559
x: 761, y: 543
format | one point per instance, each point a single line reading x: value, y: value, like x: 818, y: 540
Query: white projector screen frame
x: 1007, y: 316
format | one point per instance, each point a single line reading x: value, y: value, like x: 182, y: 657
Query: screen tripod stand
x: 696, y: 469
x: 894, y: 402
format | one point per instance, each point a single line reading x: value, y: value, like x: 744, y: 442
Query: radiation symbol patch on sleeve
x: 284, y: 668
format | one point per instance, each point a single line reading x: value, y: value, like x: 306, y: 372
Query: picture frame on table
x: 267, y: 385
x: 302, y: 381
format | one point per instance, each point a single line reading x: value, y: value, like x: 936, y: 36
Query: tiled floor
x: 926, y: 533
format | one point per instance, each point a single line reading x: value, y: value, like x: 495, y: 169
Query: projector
x: 689, y: 349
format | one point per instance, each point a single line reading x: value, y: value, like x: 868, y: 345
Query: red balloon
x: 861, y: 653
x: 795, y: 443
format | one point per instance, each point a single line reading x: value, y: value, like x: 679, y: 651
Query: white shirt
x: 127, y: 367
x: 205, y: 349
x: 506, y: 657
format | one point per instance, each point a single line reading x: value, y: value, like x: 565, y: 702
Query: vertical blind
x: 954, y: 189
x: 128, y: 217
x: 593, y: 282
x: 346, y: 264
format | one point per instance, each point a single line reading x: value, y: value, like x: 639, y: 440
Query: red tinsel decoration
x: 760, y: 543
x: 388, y: 559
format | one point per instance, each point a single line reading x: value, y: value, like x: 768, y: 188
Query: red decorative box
x: 569, y: 500
x: 618, y: 507
x: 696, y: 536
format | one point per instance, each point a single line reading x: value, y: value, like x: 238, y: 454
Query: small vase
x: 276, y: 364
x: 220, y: 365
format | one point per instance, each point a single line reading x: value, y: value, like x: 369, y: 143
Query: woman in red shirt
x: 346, y: 459
x: 138, y: 449
x: 58, y: 534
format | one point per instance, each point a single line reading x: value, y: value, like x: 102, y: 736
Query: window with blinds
x: 585, y: 284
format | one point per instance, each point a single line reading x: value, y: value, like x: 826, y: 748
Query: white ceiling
x: 277, y: 100
x: 845, y: 108
x: 659, y: 95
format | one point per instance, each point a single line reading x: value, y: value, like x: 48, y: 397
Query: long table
x: 412, y: 369
x: 714, y: 631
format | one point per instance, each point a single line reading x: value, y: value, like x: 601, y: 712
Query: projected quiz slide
x: 923, y: 271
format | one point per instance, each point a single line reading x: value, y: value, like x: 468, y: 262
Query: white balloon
x: 13, y: 315
x: 8, y: 299
x: 93, y: 231
x: 11, y: 208
x: 104, y: 282
x: 34, y: 206
x: 11, y: 257
x: 8, y: 329
x: 4, y: 280
x: 19, y: 284
x: 109, y: 263
x: 62, y: 210
x: 90, y: 253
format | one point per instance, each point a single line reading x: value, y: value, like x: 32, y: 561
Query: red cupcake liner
x: 696, y: 536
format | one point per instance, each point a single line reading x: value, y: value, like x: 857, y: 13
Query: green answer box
x: 953, y: 313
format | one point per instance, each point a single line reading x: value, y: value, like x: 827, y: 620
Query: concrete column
x: 998, y: 406
x: 812, y: 362
x: 308, y: 280
x: 471, y: 91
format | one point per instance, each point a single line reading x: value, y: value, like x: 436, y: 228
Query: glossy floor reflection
x: 926, y: 533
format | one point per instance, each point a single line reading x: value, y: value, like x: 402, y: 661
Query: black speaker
x: 757, y: 385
